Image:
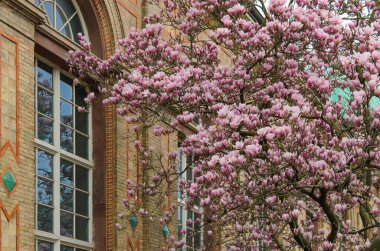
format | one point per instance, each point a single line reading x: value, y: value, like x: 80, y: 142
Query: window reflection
x: 45, y: 192
x: 44, y: 164
x: 66, y: 138
x: 66, y: 90
x: 66, y: 113
x: 45, y: 218
x: 45, y: 129
x: 67, y: 224
x: 45, y: 102
x: 67, y: 195
x: 66, y: 173
x: 72, y: 186
x: 44, y: 76
x: 44, y: 246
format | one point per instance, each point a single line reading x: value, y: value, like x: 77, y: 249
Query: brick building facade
x: 63, y: 174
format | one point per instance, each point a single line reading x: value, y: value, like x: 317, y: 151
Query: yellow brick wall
x: 15, y: 26
x: 147, y: 235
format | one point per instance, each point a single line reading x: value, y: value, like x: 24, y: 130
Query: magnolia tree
x: 289, y: 136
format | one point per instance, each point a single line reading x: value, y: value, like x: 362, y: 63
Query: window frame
x: 55, y: 150
x: 56, y: 31
x: 183, y: 168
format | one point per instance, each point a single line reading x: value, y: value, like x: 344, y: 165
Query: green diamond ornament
x: 165, y: 231
x: 133, y: 221
x: 9, y: 181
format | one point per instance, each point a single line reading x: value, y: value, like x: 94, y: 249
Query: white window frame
x: 182, y: 162
x: 58, y: 153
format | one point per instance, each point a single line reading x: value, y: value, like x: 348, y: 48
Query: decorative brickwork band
x: 127, y: 11
x: 110, y: 179
x: 9, y: 137
x: 9, y: 96
x: 133, y: 246
x: 109, y: 47
x: 106, y: 27
x: 10, y: 237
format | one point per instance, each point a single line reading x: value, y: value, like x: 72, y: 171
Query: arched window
x: 63, y: 16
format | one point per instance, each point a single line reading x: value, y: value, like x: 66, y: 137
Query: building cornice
x: 26, y: 9
x: 57, y: 37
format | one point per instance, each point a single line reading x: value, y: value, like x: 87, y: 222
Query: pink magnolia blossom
x: 286, y: 127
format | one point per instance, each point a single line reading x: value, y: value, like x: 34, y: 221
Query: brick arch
x: 107, y: 33
x: 103, y: 144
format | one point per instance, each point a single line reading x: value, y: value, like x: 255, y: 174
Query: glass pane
x: 66, y: 89
x: 49, y: 8
x: 45, y: 102
x: 44, y: 75
x: 81, y: 145
x: 179, y: 161
x: 190, y: 215
x: 67, y: 197
x: 179, y: 232
x: 80, y: 95
x: 197, y: 220
x: 76, y: 27
x: 67, y: 224
x: 45, y: 246
x: 67, y: 7
x: 189, y: 170
x: 81, y: 121
x: 81, y: 178
x: 66, y: 248
x: 81, y: 203
x: 44, y: 164
x: 189, y: 237
x: 180, y: 215
x: 66, y: 139
x: 197, y: 231
x: 81, y: 228
x: 66, y: 173
x: 66, y: 113
x: 60, y: 21
x: 45, y: 129
x: 197, y: 240
x: 44, y: 218
x: 45, y: 192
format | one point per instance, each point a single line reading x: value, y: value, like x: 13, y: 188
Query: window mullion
x: 35, y: 100
x: 90, y: 224
x: 74, y: 122
x: 56, y: 133
x: 74, y: 198
x: 56, y: 109
x: 89, y: 127
x: 68, y: 20
x: 56, y: 195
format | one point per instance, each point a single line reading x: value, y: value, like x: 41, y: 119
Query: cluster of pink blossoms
x: 290, y: 131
